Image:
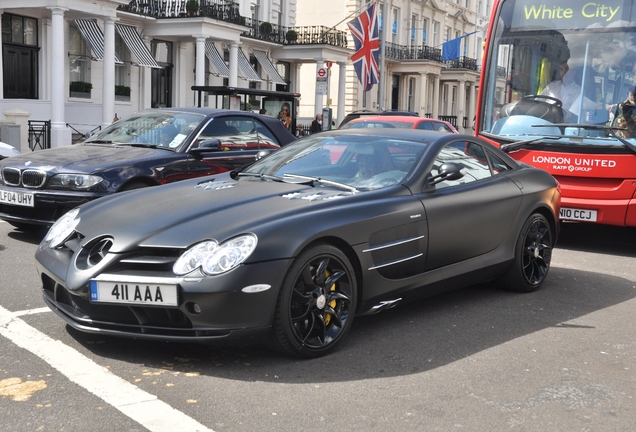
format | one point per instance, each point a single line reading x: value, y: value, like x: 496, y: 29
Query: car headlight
x: 74, y: 181
x: 62, y: 228
x: 213, y: 258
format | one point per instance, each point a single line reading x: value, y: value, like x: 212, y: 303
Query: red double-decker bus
x: 558, y: 90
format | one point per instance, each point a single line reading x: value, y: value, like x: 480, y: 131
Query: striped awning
x: 94, y: 37
x: 136, y: 46
x: 216, y: 60
x: 268, y: 67
x: 246, y: 70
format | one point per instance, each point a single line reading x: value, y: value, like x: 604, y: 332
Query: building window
x: 79, y: 62
x: 255, y: 8
x: 413, y: 26
x: 424, y: 30
x: 122, y: 71
x: 20, y: 56
x: 435, y: 33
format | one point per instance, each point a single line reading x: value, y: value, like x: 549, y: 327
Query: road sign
x: 322, y: 72
x: 329, y: 64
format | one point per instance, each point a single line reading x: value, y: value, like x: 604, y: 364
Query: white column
x: 145, y: 98
x: 471, y: 105
x: 199, y: 70
x: 108, y: 91
x: 318, y: 101
x: 436, y: 97
x: 422, y: 103
x: 461, y: 104
x: 60, y: 134
x: 233, y: 78
x: 342, y: 89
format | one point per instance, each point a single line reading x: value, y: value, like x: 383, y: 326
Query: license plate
x: 17, y: 198
x: 578, y: 214
x: 155, y: 294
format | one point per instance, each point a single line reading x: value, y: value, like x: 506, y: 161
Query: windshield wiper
x: 98, y: 142
x: 261, y: 176
x: 321, y: 181
x: 518, y: 144
x: 144, y: 145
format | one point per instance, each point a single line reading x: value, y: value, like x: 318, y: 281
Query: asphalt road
x: 478, y: 359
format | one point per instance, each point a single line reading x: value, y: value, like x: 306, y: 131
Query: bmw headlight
x: 213, y: 258
x: 62, y: 228
x: 74, y: 181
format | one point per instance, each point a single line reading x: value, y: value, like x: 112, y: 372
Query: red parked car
x: 400, y: 122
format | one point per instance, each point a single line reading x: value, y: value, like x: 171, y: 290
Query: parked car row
x: 145, y: 149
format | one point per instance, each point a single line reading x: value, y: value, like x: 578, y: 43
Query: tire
x: 133, y: 185
x: 316, y: 304
x: 533, y: 252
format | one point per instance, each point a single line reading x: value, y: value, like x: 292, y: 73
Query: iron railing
x: 402, y: 52
x: 228, y: 11
x: 39, y: 134
x: 462, y: 63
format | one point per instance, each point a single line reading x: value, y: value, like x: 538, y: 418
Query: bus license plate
x: 577, y: 214
x: 134, y: 293
x: 17, y: 198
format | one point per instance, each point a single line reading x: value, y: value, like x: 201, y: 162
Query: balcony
x: 228, y: 11
x: 403, y: 53
x: 461, y: 63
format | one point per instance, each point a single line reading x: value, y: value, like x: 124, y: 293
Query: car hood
x: 80, y: 158
x: 183, y: 213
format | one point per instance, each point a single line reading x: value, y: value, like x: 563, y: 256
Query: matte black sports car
x: 146, y: 149
x: 288, y: 250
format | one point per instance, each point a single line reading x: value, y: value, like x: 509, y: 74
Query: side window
x: 238, y: 133
x: 498, y: 165
x: 468, y: 154
x: 425, y: 125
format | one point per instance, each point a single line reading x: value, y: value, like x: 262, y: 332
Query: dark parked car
x: 365, y: 113
x: 291, y: 248
x: 401, y: 122
x: 146, y: 149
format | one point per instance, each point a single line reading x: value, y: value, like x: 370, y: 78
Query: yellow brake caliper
x: 332, y: 303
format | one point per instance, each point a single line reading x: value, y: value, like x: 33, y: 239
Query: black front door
x: 161, y: 85
x: 20, y: 69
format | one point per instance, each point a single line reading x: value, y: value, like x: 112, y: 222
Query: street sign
x: 329, y: 64
x: 322, y: 72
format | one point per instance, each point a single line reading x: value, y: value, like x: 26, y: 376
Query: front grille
x: 29, y: 178
x: 11, y: 176
x: 124, y: 318
x: 33, y: 178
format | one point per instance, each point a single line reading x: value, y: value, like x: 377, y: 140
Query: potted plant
x: 122, y: 92
x: 291, y: 36
x: 192, y: 6
x: 265, y: 28
x: 80, y: 89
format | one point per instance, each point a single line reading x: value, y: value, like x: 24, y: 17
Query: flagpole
x: 385, y: 14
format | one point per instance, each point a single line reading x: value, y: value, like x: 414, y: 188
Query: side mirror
x: 207, y: 145
x: 448, y: 171
x: 261, y: 154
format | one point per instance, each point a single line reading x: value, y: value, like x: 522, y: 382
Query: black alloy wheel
x: 533, y: 254
x: 316, y: 304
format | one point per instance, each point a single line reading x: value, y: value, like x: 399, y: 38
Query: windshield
x: 166, y: 129
x: 362, y: 162
x: 564, y: 70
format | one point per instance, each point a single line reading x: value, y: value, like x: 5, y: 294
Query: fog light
x: 193, y: 308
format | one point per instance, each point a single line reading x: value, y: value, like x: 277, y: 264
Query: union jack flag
x: 366, y: 37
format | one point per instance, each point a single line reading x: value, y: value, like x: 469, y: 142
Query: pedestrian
x: 316, y: 125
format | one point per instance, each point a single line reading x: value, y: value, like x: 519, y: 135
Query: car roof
x: 393, y: 118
